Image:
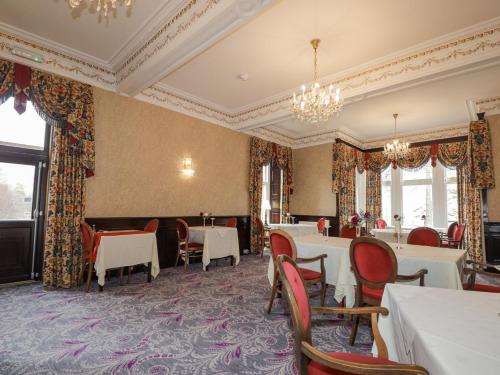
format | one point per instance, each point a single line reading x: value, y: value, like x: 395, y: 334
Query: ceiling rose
x: 102, y: 6
x: 316, y: 104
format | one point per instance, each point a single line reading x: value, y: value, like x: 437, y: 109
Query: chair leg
x: 186, y: 261
x: 354, y: 331
x: 89, y: 277
x: 323, y: 293
x: 177, y: 258
x: 273, y: 293
x: 121, y: 275
x: 128, y: 274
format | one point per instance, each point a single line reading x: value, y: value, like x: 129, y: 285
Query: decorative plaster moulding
x: 185, y: 29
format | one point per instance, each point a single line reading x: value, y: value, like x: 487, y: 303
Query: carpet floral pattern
x: 182, y: 323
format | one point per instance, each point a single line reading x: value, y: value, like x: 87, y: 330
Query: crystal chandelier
x: 103, y: 6
x: 316, y: 104
x: 395, y: 149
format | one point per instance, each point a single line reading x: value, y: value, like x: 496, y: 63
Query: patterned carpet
x: 196, y: 323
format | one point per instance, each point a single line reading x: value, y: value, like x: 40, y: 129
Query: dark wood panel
x: 167, y: 231
x: 334, y: 222
x: 15, y: 251
x: 492, y: 242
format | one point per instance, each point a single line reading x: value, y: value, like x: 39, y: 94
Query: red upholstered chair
x: 315, y: 362
x: 381, y: 223
x: 424, y: 236
x: 347, y: 232
x: 262, y: 236
x: 231, y: 223
x: 152, y: 226
x: 185, y: 249
x: 88, y: 251
x: 374, y: 264
x: 481, y: 269
x: 457, y: 240
x: 283, y: 244
x: 321, y: 225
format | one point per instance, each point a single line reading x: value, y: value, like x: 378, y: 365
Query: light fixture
x: 103, y: 6
x: 187, y: 167
x: 395, y: 149
x: 316, y: 104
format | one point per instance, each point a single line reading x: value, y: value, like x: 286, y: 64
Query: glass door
x: 23, y: 157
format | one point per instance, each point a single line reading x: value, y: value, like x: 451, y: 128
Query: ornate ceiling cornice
x: 466, y: 49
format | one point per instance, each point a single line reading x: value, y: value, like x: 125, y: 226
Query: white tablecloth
x: 126, y: 250
x: 449, y: 332
x: 218, y: 242
x: 443, y: 264
x: 296, y: 230
x: 389, y: 234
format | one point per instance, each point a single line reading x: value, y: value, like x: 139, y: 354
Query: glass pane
x: 451, y: 174
x: 386, y: 174
x: 420, y: 174
x: 386, y: 204
x: 16, y: 191
x: 416, y: 201
x: 452, y: 202
x: 26, y: 130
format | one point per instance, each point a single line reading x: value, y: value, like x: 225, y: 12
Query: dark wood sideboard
x: 167, y: 231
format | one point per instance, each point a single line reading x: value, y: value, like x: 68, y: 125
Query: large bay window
x: 413, y: 194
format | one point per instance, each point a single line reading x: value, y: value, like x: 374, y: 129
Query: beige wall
x: 494, y: 194
x: 312, y: 193
x: 139, y: 152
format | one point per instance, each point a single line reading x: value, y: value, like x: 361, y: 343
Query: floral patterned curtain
x: 67, y: 106
x: 373, y: 194
x: 261, y: 153
x: 469, y: 211
x: 453, y: 154
x: 415, y: 158
x: 344, y: 165
x: 481, y: 158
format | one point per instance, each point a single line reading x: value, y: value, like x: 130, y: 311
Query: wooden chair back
x: 152, y: 226
x: 348, y: 232
x: 381, y: 223
x: 282, y: 244
x: 451, y: 230
x: 373, y: 262
x: 459, y: 233
x: 321, y: 225
x: 260, y: 225
x: 424, y: 236
x: 232, y: 222
x: 182, y: 231
x: 87, y: 238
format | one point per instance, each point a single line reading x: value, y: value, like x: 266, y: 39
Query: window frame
x: 439, y: 183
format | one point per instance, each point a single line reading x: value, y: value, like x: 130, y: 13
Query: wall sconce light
x: 187, y: 165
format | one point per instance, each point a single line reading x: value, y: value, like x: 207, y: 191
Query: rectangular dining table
x: 125, y: 248
x: 218, y: 242
x: 444, y: 265
x: 296, y: 230
x: 449, y: 332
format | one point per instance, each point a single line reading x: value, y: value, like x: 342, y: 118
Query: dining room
x: 249, y: 187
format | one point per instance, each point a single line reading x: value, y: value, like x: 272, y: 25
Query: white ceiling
x: 437, y: 104
x: 80, y: 29
x: 274, y: 50
x: 414, y: 57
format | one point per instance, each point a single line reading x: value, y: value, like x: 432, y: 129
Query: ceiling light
x: 103, y: 6
x: 316, y: 104
x: 395, y: 149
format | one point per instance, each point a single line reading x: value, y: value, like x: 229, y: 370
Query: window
x: 360, y: 191
x: 416, y: 196
x: 386, y: 195
x: 16, y: 191
x: 266, y: 194
x: 26, y: 130
x: 427, y: 191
